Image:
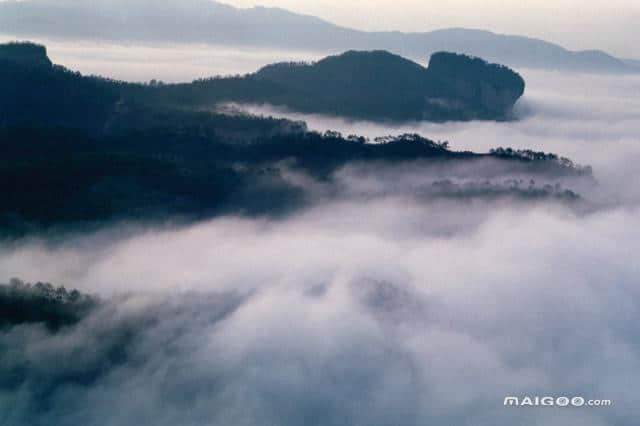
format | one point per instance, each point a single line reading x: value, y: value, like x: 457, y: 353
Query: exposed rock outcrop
x: 29, y: 54
x: 476, y: 83
x: 380, y: 85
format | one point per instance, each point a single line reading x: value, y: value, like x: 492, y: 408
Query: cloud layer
x: 384, y: 302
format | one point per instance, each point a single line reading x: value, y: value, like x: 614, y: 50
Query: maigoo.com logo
x: 561, y: 401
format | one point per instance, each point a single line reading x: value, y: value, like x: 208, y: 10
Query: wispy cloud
x: 382, y: 303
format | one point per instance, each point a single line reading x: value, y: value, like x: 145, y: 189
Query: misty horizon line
x: 435, y: 29
x: 214, y: 23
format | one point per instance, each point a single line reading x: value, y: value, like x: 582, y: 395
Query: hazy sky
x: 577, y: 24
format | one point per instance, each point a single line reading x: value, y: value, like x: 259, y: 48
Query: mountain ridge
x: 217, y: 23
x: 80, y: 152
x: 381, y: 85
x: 375, y: 85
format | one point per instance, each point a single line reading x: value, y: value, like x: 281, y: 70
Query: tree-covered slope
x: 82, y: 150
x: 374, y: 85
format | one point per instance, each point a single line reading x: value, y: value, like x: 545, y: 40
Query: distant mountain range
x: 207, y: 21
x: 633, y: 62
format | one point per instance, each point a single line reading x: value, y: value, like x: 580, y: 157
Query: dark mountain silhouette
x: 367, y: 85
x: 42, y: 303
x: 373, y: 85
x: 82, y: 150
x: 211, y: 22
x: 26, y: 54
x: 382, y: 85
x: 34, y: 90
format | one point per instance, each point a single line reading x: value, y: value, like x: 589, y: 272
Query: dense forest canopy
x: 373, y: 85
x: 82, y: 150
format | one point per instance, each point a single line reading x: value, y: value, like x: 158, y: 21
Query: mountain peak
x: 25, y: 53
x: 380, y: 84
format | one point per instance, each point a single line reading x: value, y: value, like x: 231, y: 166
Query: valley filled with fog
x: 598, y: 127
x: 399, y: 293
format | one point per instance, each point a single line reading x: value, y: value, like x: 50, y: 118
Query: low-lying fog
x: 592, y: 119
x: 378, y: 306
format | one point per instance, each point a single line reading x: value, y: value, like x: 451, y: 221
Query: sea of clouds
x: 379, y: 304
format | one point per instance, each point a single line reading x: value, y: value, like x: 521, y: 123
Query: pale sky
x: 611, y: 25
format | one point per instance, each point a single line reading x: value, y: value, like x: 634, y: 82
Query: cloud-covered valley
x: 403, y: 294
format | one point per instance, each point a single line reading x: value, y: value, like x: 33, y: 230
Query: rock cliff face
x: 34, y: 90
x: 371, y: 85
x: 487, y: 88
x: 28, y: 54
x: 380, y: 85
